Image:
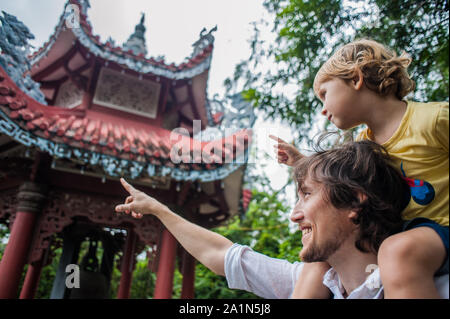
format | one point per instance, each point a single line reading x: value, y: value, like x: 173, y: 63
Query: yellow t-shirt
x: 419, y: 148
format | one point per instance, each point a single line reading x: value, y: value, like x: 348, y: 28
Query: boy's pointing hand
x: 286, y: 153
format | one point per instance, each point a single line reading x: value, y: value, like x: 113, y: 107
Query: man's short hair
x: 354, y: 168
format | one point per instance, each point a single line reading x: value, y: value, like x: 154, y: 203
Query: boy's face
x: 341, y: 103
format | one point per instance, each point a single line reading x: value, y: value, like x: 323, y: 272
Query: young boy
x: 365, y: 83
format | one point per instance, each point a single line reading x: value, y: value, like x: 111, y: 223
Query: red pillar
x: 16, y: 253
x: 166, y: 266
x: 33, y: 275
x: 187, y: 290
x: 30, y: 201
x: 31, y: 280
x: 127, y: 266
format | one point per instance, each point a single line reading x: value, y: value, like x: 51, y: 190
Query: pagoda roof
x: 119, y: 145
x: 197, y: 63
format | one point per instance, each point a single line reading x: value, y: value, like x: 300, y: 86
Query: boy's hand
x: 286, y: 153
x: 138, y: 203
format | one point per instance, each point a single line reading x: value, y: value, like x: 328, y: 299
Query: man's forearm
x: 206, y: 246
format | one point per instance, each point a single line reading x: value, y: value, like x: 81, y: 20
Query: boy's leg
x: 408, y: 262
x: 309, y: 284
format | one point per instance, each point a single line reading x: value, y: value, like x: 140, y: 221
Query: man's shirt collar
x: 370, y: 289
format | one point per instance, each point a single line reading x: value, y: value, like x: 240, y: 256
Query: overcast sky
x: 172, y: 26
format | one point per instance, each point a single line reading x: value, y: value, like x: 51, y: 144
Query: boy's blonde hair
x: 384, y: 72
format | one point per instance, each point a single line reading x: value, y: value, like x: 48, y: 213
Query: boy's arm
x: 206, y: 246
x: 286, y: 153
x: 309, y: 284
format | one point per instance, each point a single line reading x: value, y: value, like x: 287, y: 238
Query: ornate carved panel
x: 127, y: 93
x: 62, y: 207
x: 69, y: 95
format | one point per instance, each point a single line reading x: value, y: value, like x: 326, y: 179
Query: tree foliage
x: 308, y: 31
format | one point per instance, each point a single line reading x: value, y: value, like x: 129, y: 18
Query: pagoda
x: 82, y: 115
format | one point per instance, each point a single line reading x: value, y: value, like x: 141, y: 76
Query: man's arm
x: 206, y: 246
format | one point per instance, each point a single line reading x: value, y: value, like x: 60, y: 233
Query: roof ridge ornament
x: 232, y: 112
x: 136, y: 41
x: 14, y: 48
x: 204, y: 41
x: 111, y: 42
x: 85, y: 5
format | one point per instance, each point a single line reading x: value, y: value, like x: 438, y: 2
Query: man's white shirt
x: 274, y: 278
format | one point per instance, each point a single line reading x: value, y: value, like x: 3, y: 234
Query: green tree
x: 143, y: 283
x: 4, y: 235
x: 307, y: 32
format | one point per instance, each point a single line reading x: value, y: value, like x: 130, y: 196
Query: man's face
x: 324, y: 227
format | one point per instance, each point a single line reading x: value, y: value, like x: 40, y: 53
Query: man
x: 350, y: 200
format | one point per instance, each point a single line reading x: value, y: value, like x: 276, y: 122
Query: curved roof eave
x: 195, y: 65
x: 21, y: 117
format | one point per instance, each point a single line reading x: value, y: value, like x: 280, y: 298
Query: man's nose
x: 324, y: 111
x: 297, y: 215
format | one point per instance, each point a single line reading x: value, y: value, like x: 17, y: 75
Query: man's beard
x: 317, y: 253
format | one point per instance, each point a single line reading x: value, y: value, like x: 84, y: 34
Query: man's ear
x: 358, y: 80
x: 352, y: 215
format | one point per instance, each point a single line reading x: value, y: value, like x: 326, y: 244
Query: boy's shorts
x: 442, y: 231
